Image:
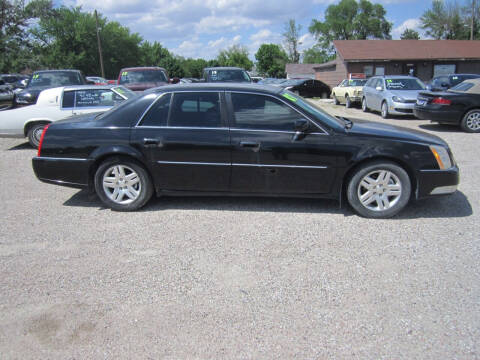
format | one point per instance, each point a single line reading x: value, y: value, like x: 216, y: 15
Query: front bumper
x: 397, y: 108
x: 70, y: 172
x: 437, y: 182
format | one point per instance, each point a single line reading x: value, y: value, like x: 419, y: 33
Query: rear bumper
x: 70, y: 172
x: 437, y: 182
x: 442, y: 116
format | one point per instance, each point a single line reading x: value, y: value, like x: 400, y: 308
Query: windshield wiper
x: 348, y: 122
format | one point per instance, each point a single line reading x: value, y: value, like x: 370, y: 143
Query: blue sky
x: 201, y: 28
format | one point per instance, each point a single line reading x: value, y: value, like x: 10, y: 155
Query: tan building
x: 423, y: 58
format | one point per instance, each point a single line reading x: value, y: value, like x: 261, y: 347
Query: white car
x: 57, y: 104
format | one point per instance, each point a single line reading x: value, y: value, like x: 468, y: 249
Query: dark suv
x: 226, y: 74
x: 445, y: 82
x: 142, y: 78
x: 47, y: 79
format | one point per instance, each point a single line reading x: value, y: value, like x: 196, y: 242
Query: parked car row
x: 408, y: 95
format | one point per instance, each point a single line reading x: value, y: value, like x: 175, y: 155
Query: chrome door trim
x: 240, y: 164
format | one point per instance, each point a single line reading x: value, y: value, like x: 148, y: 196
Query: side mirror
x: 444, y: 85
x: 429, y: 87
x: 379, y: 88
x: 301, y: 126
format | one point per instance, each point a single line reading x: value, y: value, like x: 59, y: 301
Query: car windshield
x: 142, y: 76
x: 229, y: 76
x: 404, y: 84
x: 313, y: 110
x: 124, y: 91
x: 55, y: 78
x: 356, y: 82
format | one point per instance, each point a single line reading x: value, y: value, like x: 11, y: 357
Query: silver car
x: 391, y: 95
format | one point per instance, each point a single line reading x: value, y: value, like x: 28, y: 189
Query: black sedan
x: 227, y: 139
x: 306, y: 87
x: 458, y: 106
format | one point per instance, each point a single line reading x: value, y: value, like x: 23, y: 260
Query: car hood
x: 406, y: 94
x: 370, y: 128
x: 144, y: 85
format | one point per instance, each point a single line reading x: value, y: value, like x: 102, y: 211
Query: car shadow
x: 456, y: 205
x: 23, y: 146
x: 441, y: 128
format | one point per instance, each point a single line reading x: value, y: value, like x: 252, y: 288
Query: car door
x: 266, y: 155
x: 94, y: 100
x: 186, y: 142
x: 377, y: 95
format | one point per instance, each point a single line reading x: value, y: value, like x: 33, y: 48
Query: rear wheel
x: 123, y: 184
x: 379, y: 189
x: 364, y: 105
x: 471, y: 121
x: 348, y: 102
x: 384, y: 110
x: 35, y: 134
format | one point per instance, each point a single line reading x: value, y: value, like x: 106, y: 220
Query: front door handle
x: 151, y: 142
x: 249, y: 144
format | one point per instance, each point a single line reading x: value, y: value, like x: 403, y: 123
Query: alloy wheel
x: 121, y: 184
x: 379, y: 190
x: 473, y: 121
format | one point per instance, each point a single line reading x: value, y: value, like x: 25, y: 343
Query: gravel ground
x: 202, y: 278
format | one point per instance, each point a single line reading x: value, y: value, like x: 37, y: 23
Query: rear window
x: 142, y: 76
x: 404, y: 84
x: 462, y: 87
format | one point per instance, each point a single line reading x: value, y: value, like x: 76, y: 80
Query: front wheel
x: 364, y: 105
x: 348, y: 102
x: 335, y: 100
x: 379, y: 190
x: 35, y: 134
x: 471, y: 121
x: 384, y: 111
x: 123, y: 184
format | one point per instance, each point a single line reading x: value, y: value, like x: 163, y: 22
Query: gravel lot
x: 201, y: 278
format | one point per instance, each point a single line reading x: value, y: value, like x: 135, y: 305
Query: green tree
x: 410, y: 34
x: 67, y: 39
x: 173, y: 65
x: 236, y: 55
x: 316, y: 55
x: 446, y: 20
x: 290, y: 36
x: 194, y: 67
x: 152, y: 53
x: 351, y: 20
x: 14, y: 43
x: 271, y: 60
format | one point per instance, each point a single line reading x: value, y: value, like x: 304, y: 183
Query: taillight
x: 41, y: 139
x: 441, y: 101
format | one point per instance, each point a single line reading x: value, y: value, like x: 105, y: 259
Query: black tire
x: 324, y: 95
x: 34, y: 134
x: 335, y: 100
x: 384, y: 110
x: 143, y: 186
x: 380, y: 193
x: 348, y: 102
x: 364, y: 105
x: 471, y: 121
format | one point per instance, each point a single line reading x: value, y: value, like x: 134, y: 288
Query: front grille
x: 405, y: 111
x: 410, y: 101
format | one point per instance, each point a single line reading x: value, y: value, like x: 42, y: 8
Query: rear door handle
x: 249, y: 144
x: 151, y: 142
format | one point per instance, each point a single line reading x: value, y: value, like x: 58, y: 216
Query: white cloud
x: 413, y: 24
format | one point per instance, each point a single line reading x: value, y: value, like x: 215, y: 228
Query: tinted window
x: 229, y: 76
x: 158, y: 114
x: 404, y: 84
x: 263, y: 113
x: 68, y: 99
x: 196, y: 110
x: 142, y: 76
x: 96, y: 97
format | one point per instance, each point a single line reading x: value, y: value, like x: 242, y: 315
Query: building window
x: 443, y: 69
x: 368, y: 70
x: 380, y: 70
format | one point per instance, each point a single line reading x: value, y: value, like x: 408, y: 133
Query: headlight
x: 398, y: 99
x: 441, y: 155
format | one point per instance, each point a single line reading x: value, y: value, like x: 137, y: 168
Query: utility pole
x: 472, y: 20
x: 99, y: 45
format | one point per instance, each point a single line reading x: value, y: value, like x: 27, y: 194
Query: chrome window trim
x: 273, y: 131
x: 183, y: 127
x: 241, y: 164
x: 281, y: 100
x: 48, y: 158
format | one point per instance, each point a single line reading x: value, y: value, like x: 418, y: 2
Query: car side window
x: 68, y: 99
x: 259, y: 112
x: 158, y: 113
x: 195, y: 110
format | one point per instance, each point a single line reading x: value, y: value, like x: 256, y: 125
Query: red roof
x: 351, y: 50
